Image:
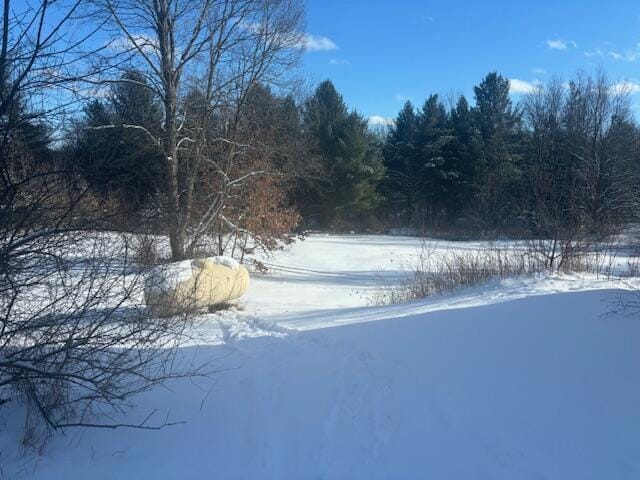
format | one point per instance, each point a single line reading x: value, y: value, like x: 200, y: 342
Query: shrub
x: 435, y: 273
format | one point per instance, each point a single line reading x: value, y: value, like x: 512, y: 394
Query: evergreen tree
x: 436, y: 176
x: 117, y: 160
x: 350, y: 159
x: 464, y: 152
x: 498, y: 172
x: 24, y: 139
x: 402, y: 165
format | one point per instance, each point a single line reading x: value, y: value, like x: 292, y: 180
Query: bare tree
x: 582, y: 181
x: 202, y: 58
x: 74, y: 340
x: 552, y: 209
x: 599, y: 119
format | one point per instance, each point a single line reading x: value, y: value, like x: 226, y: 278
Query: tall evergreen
x: 352, y: 166
x: 464, y: 150
x: 498, y: 171
x: 401, y: 158
x: 24, y: 139
x: 436, y: 176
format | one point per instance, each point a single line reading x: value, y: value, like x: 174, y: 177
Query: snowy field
x: 526, y: 378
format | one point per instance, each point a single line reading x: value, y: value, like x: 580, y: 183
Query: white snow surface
x: 166, y: 277
x: 526, y: 378
x: 226, y: 261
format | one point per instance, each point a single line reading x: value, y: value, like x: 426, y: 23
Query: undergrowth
x: 437, y: 273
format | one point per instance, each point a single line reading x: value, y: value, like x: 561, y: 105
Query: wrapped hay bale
x: 192, y: 285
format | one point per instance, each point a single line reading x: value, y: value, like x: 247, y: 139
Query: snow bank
x: 518, y: 379
x: 541, y: 387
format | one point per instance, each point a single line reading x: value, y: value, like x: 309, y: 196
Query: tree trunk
x: 170, y: 80
x: 176, y: 229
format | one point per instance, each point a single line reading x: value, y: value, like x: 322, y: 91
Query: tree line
x: 565, y: 159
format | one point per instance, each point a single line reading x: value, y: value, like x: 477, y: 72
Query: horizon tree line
x: 567, y: 155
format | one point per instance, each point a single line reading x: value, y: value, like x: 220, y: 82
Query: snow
x: 525, y: 378
x: 166, y: 277
x: 226, y: 261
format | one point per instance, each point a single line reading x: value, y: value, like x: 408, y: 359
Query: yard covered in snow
x: 525, y: 378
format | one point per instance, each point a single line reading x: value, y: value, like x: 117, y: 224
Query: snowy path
x: 526, y: 379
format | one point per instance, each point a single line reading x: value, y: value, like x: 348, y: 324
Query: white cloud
x: 539, y: 71
x: 594, y: 53
x: 339, y: 61
x: 403, y: 98
x: 317, y: 43
x: 627, y: 56
x: 518, y: 86
x: 428, y: 18
x: 627, y: 87
x: 559, y: 44
x: 143, y: 42
x: 379, y: 121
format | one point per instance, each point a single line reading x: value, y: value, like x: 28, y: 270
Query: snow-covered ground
x: 526, y: 378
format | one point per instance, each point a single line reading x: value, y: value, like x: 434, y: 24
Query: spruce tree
x: 436, y: 176
x: 120, y: 161
x: 401, y: 160
x: 464, y: 152
x: 352, y: 166
x: 498, y: 172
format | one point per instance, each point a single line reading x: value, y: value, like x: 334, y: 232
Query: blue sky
x: 381, y: 52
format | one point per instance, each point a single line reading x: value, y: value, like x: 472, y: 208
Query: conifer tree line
x: 564, y: 159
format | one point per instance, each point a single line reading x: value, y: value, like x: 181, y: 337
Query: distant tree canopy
x: 351, y: 166
x: 567, y: 153
x: 566, y: 156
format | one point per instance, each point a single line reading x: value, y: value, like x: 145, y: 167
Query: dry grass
x: 435, y: 273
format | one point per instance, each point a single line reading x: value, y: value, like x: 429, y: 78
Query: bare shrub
x: 437, y: 274
x: 76, y: 342
x: 633, y: 267
x: 146, y: 249
x: 628, y: 303
x: 573, y: 255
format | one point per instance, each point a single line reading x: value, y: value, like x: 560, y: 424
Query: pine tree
x: 24, y: 139
x: 350, y: 159
x: 402, y: 165
x: 464, y: 152
x: 433, y: 139
x: 498, y: 172
x: 121, y: 161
